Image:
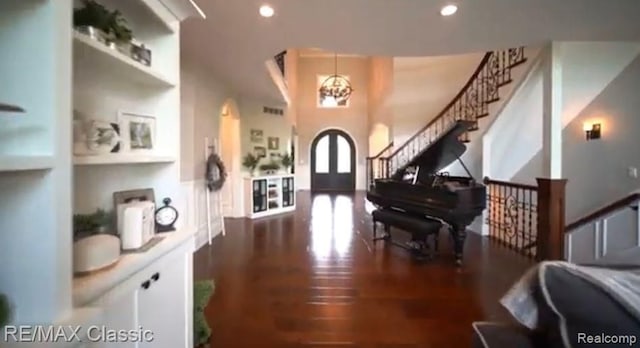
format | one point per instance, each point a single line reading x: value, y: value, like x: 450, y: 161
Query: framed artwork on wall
x: 260, y: 151
x: 274, y: 143
x: 138, y: 132
x: 95, y: 137
x: 257, y: 136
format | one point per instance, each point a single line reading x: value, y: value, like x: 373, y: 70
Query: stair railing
x: 528, y: 219
x: 471, y: 103
x: 588, y: 239
x: 375, y: 168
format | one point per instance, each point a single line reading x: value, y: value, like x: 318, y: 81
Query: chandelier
x: 336, y: 89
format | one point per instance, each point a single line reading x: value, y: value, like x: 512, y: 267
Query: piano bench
x: 421, y: 228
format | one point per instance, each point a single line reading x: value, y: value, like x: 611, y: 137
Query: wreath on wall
x: 215, y: 166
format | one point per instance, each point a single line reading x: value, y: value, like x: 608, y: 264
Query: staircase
x: 469, y: 105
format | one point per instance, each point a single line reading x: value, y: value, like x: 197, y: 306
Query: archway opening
x: 333, y: 162
x: 230, y: 142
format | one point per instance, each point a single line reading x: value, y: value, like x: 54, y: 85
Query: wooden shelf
x: 23, y: 163
x: 99, y: 54
x: 110, y: 159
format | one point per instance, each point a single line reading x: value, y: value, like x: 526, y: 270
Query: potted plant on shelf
x: 5, y: 311
x: 270, y: 168
x: 250, y: 162
x: 99, y: 23
x: 286, y: 161
x: 85, y: 225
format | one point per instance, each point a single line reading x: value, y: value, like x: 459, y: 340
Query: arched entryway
x: 229, y: 135
x: 333, y: 162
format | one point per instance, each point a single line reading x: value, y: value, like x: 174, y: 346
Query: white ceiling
x: 234, y: 41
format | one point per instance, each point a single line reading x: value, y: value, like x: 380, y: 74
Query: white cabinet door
x: 119, y: 314
x: 161, y: 307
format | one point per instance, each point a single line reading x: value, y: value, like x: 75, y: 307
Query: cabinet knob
x: 146, y: 284
x: 155, y: 277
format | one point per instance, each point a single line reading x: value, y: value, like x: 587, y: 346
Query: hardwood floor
x: 314, y: 278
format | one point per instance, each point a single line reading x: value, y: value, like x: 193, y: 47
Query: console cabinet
x: 268, y: 195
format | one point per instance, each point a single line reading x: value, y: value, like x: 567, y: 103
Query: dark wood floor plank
x: 314, y: 278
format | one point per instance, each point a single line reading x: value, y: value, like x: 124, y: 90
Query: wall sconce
x: 592, y: 130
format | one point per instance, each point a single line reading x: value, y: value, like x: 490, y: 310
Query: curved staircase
x: 469, y: 105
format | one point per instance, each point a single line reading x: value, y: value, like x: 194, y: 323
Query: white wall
x: 597, y: 170
x: 587, y: 68
x: 517, y: 133
x: 252, y: 116
x: 202, y: 99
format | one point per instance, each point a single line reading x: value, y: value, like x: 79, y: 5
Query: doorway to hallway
x: 333, y: 162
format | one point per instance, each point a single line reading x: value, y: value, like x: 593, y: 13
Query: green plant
x: 250, y: 161
x: 270, y: 166
x: 286, y: 160
x: 96, y: 15
x: 202, y: 291
x: 92, y: 223
x: 118, y: 27
x: 5, y: 311
x: 92, y: 14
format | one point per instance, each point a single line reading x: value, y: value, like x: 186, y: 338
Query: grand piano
x: 420, y: 191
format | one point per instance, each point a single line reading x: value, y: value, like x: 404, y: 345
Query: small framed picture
x: 138, y: 132
x: 274, y: 143
x: 260, y: 151
x: 257, y: 136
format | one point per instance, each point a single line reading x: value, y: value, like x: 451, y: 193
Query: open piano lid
x: 444, y: 150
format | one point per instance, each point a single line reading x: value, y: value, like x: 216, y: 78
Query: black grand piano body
x: 456, y: 200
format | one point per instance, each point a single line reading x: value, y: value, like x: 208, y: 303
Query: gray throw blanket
x: 622, y: 285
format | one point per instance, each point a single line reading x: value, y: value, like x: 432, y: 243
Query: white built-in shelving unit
x: 56, y: 73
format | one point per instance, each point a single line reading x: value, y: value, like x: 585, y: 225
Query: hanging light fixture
x: 336, y: 89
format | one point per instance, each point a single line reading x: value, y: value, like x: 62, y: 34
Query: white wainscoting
x: 194, y: 195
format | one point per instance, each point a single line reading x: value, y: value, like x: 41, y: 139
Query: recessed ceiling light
x: 449, y: 10
x: 266, y: 11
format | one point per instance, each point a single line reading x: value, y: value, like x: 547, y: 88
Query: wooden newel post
x: 551, y: 205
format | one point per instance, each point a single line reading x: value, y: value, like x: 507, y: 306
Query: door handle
x: 146, y: 284
x: 155, y: 277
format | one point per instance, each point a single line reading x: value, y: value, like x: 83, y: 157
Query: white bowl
x: 95, y: 252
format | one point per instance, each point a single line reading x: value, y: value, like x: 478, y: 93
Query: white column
x: 552, y: 112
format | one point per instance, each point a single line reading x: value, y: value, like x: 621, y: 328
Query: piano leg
x: 386, y: 235
x: 459, y: 234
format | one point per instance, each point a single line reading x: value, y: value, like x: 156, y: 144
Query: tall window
x: 344, y: 155
x: 322, y: 155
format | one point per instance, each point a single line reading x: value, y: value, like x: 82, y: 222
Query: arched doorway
x: 229, y: 135
x: 333, y: 162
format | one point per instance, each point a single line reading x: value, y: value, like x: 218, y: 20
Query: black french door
x: 333, y: 162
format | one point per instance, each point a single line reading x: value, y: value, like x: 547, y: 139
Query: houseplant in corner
x: 250, y: 162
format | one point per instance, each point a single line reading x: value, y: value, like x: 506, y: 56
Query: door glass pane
x: 322, y: 155
x: 344, y: 155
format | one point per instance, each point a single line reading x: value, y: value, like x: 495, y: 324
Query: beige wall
x: 423, y: 86
x: 202, y: 97
x: 312, y: 120
x: 253, y: 117
x: 379, y: 103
